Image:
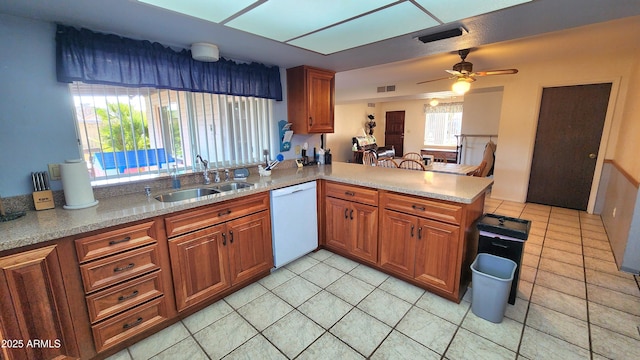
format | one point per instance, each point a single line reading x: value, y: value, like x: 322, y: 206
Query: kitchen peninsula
x: 132, y: 265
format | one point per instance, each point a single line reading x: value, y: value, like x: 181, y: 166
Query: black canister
x: 327, y: 158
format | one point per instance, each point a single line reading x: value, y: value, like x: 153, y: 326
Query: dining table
x: 449, y: 168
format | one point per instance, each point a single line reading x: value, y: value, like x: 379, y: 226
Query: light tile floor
x: 572, y: 303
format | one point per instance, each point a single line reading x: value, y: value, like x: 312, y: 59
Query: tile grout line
x: 586, y: 290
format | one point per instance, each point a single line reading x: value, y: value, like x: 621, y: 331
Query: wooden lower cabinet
x: 209, y: 261
x: 425, y: 250
x: 35, y: 318
x: 352, y: 228
x: 435, y: 254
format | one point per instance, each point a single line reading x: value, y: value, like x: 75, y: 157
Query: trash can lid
x: 504, y: 225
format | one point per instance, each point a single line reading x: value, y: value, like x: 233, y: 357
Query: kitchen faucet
x: 205, y: 173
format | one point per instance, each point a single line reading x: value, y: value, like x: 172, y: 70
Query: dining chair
x: 411, y: 165
x: 388, y: 163
x: 413, y: 156
x: 478, y: 171
x: 369, y: 158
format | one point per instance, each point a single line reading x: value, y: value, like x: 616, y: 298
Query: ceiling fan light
x: 434, y: 102
x: 461, y: 86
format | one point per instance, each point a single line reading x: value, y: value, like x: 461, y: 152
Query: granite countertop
x: 41, y: 226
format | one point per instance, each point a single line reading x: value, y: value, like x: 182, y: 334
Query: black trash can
x: 504, y: 236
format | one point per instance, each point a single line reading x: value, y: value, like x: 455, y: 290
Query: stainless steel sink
x: 234, y: 185
x: 186, y: 194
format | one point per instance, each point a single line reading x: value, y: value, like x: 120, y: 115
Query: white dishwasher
x: 294, y: 222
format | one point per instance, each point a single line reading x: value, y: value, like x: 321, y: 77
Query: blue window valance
x: 86, y: 56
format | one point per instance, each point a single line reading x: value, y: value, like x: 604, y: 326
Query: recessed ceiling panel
x: 286, y: 19
x: 393, y: 21
x: 452, y: 10
x: 209, y: 10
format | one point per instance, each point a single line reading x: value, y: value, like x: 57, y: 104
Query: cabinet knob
x: 592, y: 156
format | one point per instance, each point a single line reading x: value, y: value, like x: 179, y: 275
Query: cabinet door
x: 34, y: 312
x: 338, y: 224
x: 397, y: 242
x: 321, y: 101
x: 250, y: 248
x: 199, y: 265
x: 364, y: 234
x: 437, y: 254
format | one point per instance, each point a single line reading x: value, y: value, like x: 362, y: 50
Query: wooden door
x: 364, y: 232
x: 397, y: 242
x: 34, y: 307
x: 337, y: 224
x: 567, y: 142
x: 437, y: 254
x: 250, y: 249
x: 394, y: 131
x: 321, y: 101
x: 199, y: 265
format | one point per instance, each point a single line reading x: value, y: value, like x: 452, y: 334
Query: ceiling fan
x: 464, y: 75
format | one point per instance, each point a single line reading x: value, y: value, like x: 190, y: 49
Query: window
x: 129, y: 133
x: 442, y: 123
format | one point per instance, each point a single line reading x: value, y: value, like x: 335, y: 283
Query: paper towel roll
x: 76, y: 185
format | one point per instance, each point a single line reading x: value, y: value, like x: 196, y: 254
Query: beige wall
x: 350, y: 121
x: 627, y: 147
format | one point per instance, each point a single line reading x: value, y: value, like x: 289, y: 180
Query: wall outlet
x: 614, y: 212
x: 54, y: 171
x: 298, y: 149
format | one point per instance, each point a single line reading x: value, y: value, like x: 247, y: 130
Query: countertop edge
x: 109, y: 218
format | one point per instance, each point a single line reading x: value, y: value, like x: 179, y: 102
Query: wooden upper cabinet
x: 34, y: 307
x: 310, y: 99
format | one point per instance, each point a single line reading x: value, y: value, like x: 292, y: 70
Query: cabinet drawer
x: 111, y: 270
x: 422, y: 207
x: 121, y: 327
x: 123, y: 297
x: 352, y: 193
x: 203, y: 217
x: 112, y: 242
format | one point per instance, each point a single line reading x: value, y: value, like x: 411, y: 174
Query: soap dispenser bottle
x: 174, y: 178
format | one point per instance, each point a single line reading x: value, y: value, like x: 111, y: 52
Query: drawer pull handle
x: 412, y: 230
x: 133, y: 324
x: 119, y: 269
x: 346, y: 213
x: 351, y: 215
x: 499, y: 245
x: 231, y: 236
x: 416, y: 207
x: 127, y: 297
x: 224, y: 239
x: 420, y: 233
x: 310, y: 121
x: 114, y: 242
x: 226, y: 212
x: 350, y: 193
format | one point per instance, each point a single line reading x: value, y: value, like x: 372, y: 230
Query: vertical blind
x: 442, y: 123
x: 126, y: 132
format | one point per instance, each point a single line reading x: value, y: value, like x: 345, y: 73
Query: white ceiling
x: 385, y: 62
x: 315, y: 26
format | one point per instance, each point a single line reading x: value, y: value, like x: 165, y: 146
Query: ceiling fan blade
x: 427, y: 81
x: 496, y: 72
x: 455, y: 73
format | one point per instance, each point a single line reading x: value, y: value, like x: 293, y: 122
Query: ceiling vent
x: 441, y: 35
x: 386, y: 88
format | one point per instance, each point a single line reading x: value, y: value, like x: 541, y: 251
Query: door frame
x: 606, y: 130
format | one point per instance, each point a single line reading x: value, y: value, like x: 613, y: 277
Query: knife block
x: 43, y: 200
